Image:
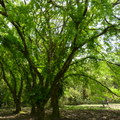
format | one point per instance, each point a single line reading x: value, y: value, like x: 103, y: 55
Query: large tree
x: 50, y: 34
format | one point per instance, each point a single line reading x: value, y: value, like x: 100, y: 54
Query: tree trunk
x: 33, y: 110
x: 40, y: 112
x: 55, y: 105
x: 17, y: 105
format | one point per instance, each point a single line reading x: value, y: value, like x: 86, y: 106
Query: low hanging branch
x: 99, y: 59
x: 109, y: 90
x: 87, y: 76
x: 117, y: 64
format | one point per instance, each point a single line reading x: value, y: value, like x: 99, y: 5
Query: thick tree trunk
x: 17, y: 105
x: 55, y: 109
x: 55, y: 104
x: 33, y: 110
x: 40, y: 112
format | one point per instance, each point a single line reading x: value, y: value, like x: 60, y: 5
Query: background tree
x: 14, y: 80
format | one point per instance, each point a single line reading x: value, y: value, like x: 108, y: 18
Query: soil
x: 88, y: 114
x: 91, y: 115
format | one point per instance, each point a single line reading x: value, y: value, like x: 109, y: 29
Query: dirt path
x: 91, y: 115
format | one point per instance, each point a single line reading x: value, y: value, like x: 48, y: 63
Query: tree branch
x: 117, y: 64
x: 92, y: 57
x: 4, y: 77
x: 55, y: 4
x: 64, y: 68
x: 2, y: 4
x: 103, y: 86
x: 82, y: 59
x: 91, y: 78
x: 103, y: 32
x: 4, y: 14
x: 116, y: 17
x: 116, y: 3
x: 86, y: 7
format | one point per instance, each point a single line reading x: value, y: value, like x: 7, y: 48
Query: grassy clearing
x: 86, y: 107
x: 111, y: 106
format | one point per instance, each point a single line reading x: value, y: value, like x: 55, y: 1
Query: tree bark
x: 17, y: 105
x: 55, y: 104
x: 40, y: 112
x: 33, y: 110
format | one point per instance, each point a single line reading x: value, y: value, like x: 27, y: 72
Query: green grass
x: 81, y: 107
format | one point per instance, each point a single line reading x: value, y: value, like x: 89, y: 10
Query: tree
x: 51, y: 34
x: 12, y: 72
x: 14, y: 81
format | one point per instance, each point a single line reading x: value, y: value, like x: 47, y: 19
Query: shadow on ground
x: 79, y: 114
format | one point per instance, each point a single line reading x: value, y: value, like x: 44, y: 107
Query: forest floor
x: 72, y: 112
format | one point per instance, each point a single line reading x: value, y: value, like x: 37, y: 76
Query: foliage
x: 49, y: 38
